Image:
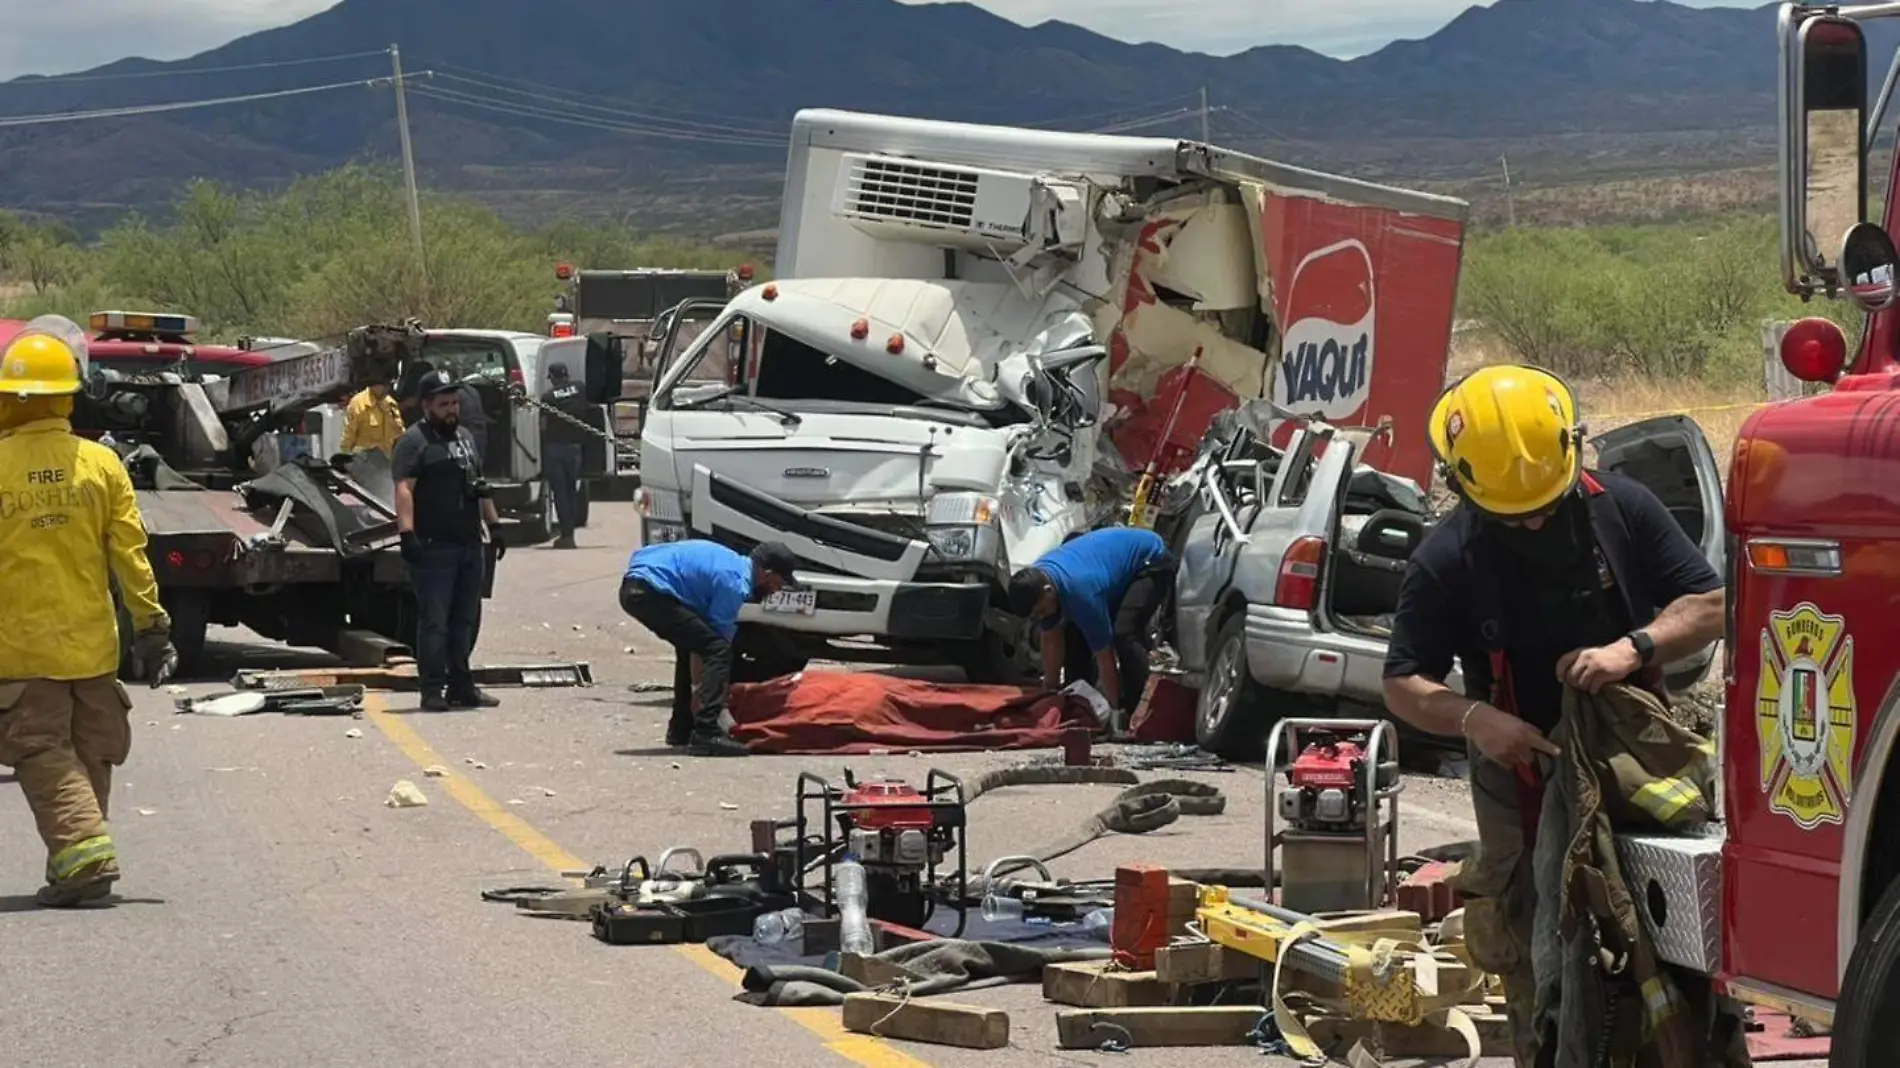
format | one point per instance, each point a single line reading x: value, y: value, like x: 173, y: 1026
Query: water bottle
x: 1099, y: 924
x: 781, y: 926
x: 999, y: 905
x: 848, y: 889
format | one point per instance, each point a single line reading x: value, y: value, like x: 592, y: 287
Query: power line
x: 1153, y: 120
x: 62, y: 78
x: 183, y: 105
x: 736, y: 123
x: 506, y: 107
x: 623, y: 112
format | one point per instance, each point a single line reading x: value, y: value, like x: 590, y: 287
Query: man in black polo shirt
x: 1546, y: 575
x: 446, y: 520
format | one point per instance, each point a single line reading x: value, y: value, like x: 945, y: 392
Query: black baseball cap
x: 776, y: 557
x: 557, y: 370
x: 436, y: 382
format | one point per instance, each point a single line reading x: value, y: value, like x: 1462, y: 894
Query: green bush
x: 1684, y: 299
x: 328, y: 253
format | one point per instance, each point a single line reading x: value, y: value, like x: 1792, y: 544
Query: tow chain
x: 521, y: 397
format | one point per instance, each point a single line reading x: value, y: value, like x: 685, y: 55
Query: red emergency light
x: 745, y: 272
x: 561, y: 330
x: 1814, y: 349
x: 564, y: 271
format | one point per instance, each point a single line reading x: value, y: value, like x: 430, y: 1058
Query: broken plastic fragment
x: 353, y: 732
x: 728, y: 806
x: 405, y: 794
x: 436, y: 771
x: 516, y: 801
x: 148, y: 812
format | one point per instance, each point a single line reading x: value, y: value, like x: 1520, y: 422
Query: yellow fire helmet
x: 48, y: 358
x: 1508, y: 441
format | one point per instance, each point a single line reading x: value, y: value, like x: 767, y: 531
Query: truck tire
x: 761, y: 653
x: 1232, y: 714
x: 996, y: 659
x: 1867, y: 1017
x: 191, y: 619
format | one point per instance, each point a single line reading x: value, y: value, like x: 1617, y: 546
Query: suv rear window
x: 481, y: 358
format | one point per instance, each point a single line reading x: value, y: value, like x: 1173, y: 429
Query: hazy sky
x: 56, y: 36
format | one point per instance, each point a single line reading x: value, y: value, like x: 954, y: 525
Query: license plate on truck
x: 796, y: 602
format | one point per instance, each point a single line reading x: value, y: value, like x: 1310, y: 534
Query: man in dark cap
x: 688, y: 593
x: 446, y: 520
x: 561, y: 443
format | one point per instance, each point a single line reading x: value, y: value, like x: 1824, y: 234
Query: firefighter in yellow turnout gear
x: 69, y: 525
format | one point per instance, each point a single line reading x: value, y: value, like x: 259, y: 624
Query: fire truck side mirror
x: 1868, y: 262
x: 1823, y: 147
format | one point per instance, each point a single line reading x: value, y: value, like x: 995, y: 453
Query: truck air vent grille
x: 904, y: 191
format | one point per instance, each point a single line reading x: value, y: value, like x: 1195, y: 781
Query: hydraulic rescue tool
x: 898, y: 833
x: 1340, y: 848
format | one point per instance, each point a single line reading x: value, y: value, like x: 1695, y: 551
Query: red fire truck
x: 1809, y: 920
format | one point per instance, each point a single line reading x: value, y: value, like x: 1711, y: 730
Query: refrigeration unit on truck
x: 976, y: 334
x: 625, y: 305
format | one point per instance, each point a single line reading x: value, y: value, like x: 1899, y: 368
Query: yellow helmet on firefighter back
x: 46, y: 359
x: 1508, y: 441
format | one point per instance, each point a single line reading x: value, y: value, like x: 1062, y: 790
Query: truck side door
x: 1671, y: 456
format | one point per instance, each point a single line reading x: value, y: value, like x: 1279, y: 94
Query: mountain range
x: 556, y: 102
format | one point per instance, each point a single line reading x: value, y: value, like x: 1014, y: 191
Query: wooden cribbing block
x: 1389, y: 923
x: 1225, y: 1025
x: 1204, y: 962
x: 1095, y: 984
x: 941, y: 1023
x: 872, y: 971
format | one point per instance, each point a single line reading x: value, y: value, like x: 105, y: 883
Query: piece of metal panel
x: 1676, y: 882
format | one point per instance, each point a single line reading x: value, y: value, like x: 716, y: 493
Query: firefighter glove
x: 411, y: 548
x: 501, y: 547
x: 154, y: 657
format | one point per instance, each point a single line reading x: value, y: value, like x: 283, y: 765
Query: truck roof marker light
x: 770, y: 292
x: 895, y: 345
x: 1814, y: 349
x: 564, y: 271
x: 860, y: 330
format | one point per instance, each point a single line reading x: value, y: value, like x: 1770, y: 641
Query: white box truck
x: 974, y: 330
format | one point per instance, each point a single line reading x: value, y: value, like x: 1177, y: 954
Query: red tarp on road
x: 831, y: 712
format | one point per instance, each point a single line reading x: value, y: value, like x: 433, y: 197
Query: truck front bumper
x: 906, y: 611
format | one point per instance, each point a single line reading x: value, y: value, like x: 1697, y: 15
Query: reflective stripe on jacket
x: 69, y: 522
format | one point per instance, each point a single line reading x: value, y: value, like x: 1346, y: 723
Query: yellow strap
x: 1292, y: 1028
x: 94, y: 850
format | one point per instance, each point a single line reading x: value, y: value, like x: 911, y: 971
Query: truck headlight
x: 661, y: 518
x: 962, y: 526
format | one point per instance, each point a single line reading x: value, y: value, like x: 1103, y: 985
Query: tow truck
x: 304, y: 553
x: 1792, y: 901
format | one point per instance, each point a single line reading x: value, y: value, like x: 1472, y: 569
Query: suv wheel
x: 1231, y: 717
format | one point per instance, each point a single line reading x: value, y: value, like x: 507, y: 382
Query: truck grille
x: 901, y: 526
x: 902, y: 191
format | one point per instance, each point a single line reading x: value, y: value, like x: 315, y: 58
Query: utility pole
x: 1206, y: 137
x: 1510, y: 198
x: 409, y: 165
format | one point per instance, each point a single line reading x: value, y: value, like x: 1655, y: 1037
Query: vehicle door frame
x: 1685, y: 432
x: 659, y: 423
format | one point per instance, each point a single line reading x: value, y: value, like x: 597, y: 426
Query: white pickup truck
x: 977, y: 330
x: 1291, y: 561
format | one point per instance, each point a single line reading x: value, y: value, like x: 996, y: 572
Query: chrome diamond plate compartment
x: 1677, y: 883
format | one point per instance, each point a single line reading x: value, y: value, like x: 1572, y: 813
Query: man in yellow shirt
x: 69, y: 527
x: 372, y: 421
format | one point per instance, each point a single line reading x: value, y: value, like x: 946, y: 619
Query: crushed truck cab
x: 980, y: 335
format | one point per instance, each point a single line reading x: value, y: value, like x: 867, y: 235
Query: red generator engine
x: 897, y: 832
x: 1338, y: 848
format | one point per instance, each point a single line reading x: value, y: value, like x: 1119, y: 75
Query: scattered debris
x: 151, y: 723
x: 545, y: 792
x: 148, y: 812
x: 516, y: 801
x: 176, y: 691
x: 478, y: 765
x: 229, y: 704
x: 676, y: 765
x: 436, y: 771
x: 353, y: 732
x: 728, y: 806
x: 405, y: 794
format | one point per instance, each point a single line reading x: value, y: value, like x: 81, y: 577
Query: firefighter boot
x: 715, y: 744
x: 88, y: 884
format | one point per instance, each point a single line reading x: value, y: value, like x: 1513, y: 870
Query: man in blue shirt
x: 1106, y: 585
x: 688, y: 593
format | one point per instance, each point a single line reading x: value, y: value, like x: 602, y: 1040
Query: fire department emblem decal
x: 1804, y: 714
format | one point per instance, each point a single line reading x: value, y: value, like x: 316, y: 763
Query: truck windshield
x: 480, y: 358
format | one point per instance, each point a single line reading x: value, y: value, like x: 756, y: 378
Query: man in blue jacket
x: 688, y: 593
x: 1106, y: 585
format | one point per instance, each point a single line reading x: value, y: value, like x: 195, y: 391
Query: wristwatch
x: 1645, y: 646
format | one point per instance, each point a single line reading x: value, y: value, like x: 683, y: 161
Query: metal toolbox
x: 1676, y: 881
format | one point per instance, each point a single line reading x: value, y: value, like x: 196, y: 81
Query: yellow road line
x: 858, y: 1049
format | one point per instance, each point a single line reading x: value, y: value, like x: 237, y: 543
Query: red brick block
x: 1428, y: 892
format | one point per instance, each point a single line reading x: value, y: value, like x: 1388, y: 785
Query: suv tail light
x: 515, y: 378
x: 1298, y: 585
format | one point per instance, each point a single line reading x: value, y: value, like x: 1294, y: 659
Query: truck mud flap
x: 727, y: 510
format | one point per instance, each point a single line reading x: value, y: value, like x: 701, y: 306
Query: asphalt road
x: 275, y: 912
